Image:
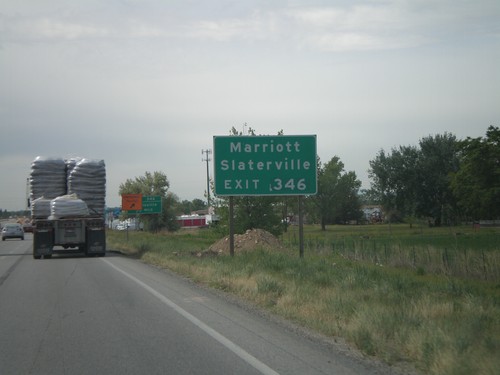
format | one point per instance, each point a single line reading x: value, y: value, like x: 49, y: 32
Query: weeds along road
x: 114, y: 315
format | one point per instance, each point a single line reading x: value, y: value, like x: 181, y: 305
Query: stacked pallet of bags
x: 47, y: 178
x: 67, y: 188
x: 47, y: 181
x: 67, y: 206
x: 87, y: 179
x: 40, y: 208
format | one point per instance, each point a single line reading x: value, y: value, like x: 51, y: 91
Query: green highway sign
x: 150, y: 205
x: 265, y: 165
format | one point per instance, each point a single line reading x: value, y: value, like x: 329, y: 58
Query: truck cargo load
x: 67, y: 206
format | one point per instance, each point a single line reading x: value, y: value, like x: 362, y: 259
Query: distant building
x: 489, y: 223
x: 373, y: 213
x: 197, y: 219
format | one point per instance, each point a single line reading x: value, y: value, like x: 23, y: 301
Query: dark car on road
x: 28, y: 227
x: 12, y: 230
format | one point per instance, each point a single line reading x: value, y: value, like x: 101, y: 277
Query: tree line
x: 442, y: 180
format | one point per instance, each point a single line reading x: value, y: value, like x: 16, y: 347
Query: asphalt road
x: 114, y: 315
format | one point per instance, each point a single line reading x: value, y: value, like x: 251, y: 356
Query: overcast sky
x: 146, y: 84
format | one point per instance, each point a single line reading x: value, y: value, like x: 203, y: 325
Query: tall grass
x: 441, y: 324
x: 462, y: 252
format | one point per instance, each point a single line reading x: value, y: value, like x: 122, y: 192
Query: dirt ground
x: 250, y: 240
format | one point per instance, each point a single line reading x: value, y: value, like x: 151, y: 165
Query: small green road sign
x: 151, y: 204
x: 265, y: 165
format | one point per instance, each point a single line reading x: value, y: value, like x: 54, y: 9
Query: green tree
x: 157, y: 184
x: 350, y: 208
x: 369, y: 197
x: 392, y: 176
x: 198, y: 205
x: 438, y: 161
x: 476, y: 184
x: 257, y: 212
x: 414, y: 181
x: 337, y: 200
x: 187, y: 207
x: 168, y: 216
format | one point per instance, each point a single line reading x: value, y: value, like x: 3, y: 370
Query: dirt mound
x: 250, y: 240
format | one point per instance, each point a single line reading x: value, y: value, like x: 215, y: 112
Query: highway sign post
x: 265, y: 165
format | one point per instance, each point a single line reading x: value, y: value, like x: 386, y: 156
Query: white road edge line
x: 244, y: 355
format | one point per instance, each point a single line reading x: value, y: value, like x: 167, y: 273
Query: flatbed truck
x: 79, y: 235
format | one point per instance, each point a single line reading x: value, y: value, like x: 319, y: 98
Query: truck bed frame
x: 74, y: 234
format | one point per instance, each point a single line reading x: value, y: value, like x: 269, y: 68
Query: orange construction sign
x: 131, y: 202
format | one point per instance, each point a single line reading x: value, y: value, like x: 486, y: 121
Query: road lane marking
x: 240, y: 352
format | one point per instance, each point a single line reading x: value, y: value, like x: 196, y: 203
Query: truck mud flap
x: 43, y: 243
x: 96, y: 242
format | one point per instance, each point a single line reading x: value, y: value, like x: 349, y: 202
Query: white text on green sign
x: 151, y: 204
x: 265, y: 165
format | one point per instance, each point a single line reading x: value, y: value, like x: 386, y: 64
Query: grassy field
x: 425, y: 296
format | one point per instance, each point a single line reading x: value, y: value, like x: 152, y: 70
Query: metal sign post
x: 265, y: 166
x: 231, y: 226
x: 301, y: 226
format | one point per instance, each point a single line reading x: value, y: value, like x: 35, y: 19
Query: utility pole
x: 207, y: 159
x: 28, y: 205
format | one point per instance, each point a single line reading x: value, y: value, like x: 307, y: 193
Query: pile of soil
x: 250, y: 240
